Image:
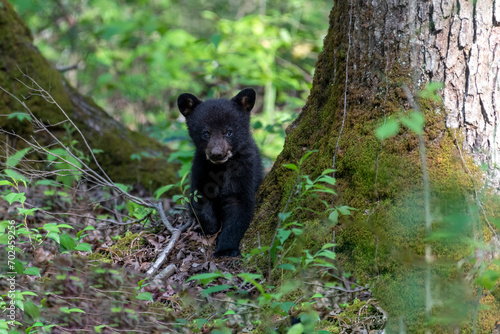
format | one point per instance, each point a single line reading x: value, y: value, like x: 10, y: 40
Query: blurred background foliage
x: 135, y: 57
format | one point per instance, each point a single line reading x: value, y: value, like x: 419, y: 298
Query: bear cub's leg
x: 205, y: 214
x: 237, y: 215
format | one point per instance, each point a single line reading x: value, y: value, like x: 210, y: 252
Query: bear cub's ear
x: 245, y: 99
x: 186, y: 103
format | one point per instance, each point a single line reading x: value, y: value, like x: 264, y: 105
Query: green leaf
x: 286, y: 306
x: 145, y: 296
x: 26, y: 212
x: 305, y: 156
x: 200, y: 322
x: 257, y: 125
x: 46, y: 182
x: 182, y: 156
x: 415, y: 122
x: 328, y: 171
x: 229, y: 312
x: 215, y: 39
x: 76, y: 310
x: 20, y: 116
x: 284, y: 215
x: 334, y: 217
x: 84, y: 247
x: 15, y: 175
x: 328, y: 254
x: 328, y: 245
x: 64, y: 226
x: 323, y: 189
x: 98, y: 329
x: 131, y: 207
x: 216, y: 288
x: 291, y: 166
x: 14, y: 159
x: 389, y: 129
x: 31, y: 309
x: 327, y: 179
x: 87, y: 228
x: 431, y: 91
x: 287, y: 266
x: 67, y: 242
x: 51, y: 227
x: 71, y: 310
x: 15, y: 197
x: 160, y: 191
x: 135, y: 156
x: 322, y: 263
x: 249, y: 276
x: 6, y: 183
x: 345, y: 210
x: 489, y: 279
x: 296, y: 329
x: 54, y: 236
x: 32, y: 271
x: 176, y: 198
x: 4, y: 238
x: 205, y: 277
x: 28, y: 293
x: 122, y: 187
x: 283, y: 235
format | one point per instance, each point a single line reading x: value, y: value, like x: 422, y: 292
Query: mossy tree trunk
x: 18, y: 55
x: 377, y: 56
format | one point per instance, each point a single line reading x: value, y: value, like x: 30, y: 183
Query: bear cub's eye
x: 205, y: 135
x: 229, y: 133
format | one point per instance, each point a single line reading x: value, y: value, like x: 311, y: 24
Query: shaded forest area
x: 379, y: 211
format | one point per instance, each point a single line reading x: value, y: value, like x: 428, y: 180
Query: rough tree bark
x: 18, y: 55
x: 374, y: 53
x: 463, y: 51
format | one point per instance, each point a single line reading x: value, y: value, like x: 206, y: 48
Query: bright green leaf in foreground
x: 389, y: 129
x: 145, y: 296
x: 415, y: 122
x: 431, y: 91
x: 32, y: 271
x: 216, y: 288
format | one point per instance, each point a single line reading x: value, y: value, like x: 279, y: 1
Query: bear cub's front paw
x: 227, y: 252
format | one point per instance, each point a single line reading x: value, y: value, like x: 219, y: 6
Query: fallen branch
x: 167, y: 272
x: 176, y: 232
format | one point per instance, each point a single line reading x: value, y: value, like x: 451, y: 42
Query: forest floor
x: 108, y: 291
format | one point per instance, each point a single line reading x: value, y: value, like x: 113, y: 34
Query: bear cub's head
x: 220, y: 128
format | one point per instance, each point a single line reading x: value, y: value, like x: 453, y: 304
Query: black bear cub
x: 227, y: 168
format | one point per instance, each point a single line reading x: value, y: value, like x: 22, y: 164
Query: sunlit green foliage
x: 135, y: 57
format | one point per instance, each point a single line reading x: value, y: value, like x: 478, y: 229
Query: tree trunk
x: 377, y: 56
x: 18, y: 55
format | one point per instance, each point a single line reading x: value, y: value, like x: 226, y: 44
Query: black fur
x: 227, y: 168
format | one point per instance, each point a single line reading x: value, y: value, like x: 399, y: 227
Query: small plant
x: 12, y: 233
x: 184, y: 198
x: 305, y: 188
